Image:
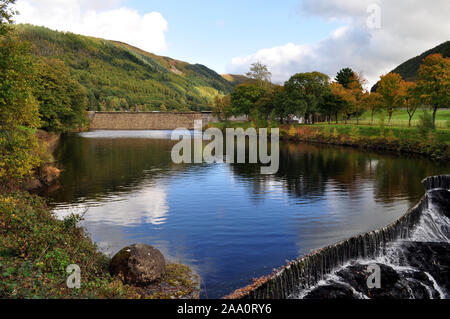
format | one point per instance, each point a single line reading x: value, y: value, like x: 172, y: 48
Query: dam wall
x: 147, y: 120
x: 307, y: 271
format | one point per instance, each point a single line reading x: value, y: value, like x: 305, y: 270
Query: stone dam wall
x: 307, y: 271
x: 147, y: 120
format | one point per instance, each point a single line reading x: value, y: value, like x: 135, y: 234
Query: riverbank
x: 434, y: 144
x: 36, y: 248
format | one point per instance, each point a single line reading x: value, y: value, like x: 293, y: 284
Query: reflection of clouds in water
x: 148, y: 205
x: 136, y: 134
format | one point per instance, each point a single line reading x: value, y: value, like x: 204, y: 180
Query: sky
x: 290, y: 36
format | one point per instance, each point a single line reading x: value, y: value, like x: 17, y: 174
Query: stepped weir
x: 425, y: 226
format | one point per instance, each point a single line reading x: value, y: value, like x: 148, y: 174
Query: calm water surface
x: 227, y: 221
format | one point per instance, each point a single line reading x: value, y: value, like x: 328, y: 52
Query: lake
x: 227, y: 221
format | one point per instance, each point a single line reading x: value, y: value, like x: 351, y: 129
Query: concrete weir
x: 307, y: 271
x: 147, y: 120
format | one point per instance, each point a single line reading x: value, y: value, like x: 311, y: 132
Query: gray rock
x: 138, y: 264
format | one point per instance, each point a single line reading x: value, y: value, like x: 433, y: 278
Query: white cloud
x: 102, y: 18
x: 408, y: 28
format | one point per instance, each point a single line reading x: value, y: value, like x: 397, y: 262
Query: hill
x: 409, y: 69
x: 118, y: 76
x: 235, y: 79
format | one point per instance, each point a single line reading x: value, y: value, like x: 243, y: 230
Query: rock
x: 138, y: 264
x: 335, y: 291
x: 433, y: 258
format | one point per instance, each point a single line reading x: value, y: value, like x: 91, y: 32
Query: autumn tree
x: 434, y: 82
x: 356, y: 86
x: 373, y: 102
x: 409, y: 98
x: 222, y: 107
x: 389, y: 88
x: 349, y: 105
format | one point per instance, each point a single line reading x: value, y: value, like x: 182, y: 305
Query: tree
x: 222, y: 107
x: 260, y: 73
x: 409, y: 98
x: 332, y: 105
x: 244, y: 97
x: 356, y: 87
x: 265, y: 105
x: 389, y: 88
x: 19, y: 115
x: 6, y: 15
x: 62, y: 100
x: 373, y: 102
x: 282, y: 107
x: 344, y: 77
x: 349, y: 101
x: 306, y: 91
x: 434, y: 82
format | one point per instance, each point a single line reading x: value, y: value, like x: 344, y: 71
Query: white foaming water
x: 430, y: 228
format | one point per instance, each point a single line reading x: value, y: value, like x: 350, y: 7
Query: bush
x: 425, y: 125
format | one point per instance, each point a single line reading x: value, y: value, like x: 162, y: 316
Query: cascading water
x: 412, y: 255
x: 417, y: 266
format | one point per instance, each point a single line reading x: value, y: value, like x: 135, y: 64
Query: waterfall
x: 424, y: 228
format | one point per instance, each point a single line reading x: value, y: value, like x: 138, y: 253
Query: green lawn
x: 400, y: 118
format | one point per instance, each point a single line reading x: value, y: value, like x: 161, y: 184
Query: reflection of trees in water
x: 98, y: 167
x: 306, y: 170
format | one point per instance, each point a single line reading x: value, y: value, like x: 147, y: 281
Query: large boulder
x: 138, y: 264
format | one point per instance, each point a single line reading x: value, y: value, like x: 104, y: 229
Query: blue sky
x: 289, y: 36
x: 213, y: 32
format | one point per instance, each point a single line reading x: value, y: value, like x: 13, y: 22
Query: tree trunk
x: 434, y: 116
x: 410, y: 118
x: 390, y: 115
x: 373, y: 111
x: 336, y: 117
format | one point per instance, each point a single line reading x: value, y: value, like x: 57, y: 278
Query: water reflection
x: 227, y: 220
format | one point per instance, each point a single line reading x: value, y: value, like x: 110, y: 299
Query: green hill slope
x: 235, y: 79
x: 118, y: 76
x: 409, y: 69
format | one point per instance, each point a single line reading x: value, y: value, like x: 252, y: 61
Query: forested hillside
x: 117, y: 76
x: 235, y: 79
x: 409, y: 69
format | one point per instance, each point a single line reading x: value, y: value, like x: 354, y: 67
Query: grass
x: 36, y: 248
x: 400, y: 118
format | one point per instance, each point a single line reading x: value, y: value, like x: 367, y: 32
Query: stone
x: 336, y: 291
x: 138, y: 264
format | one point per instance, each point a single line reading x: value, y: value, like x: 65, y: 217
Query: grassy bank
x: 400, y: 118
x: 434, y: 144
x: 36, y: 248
